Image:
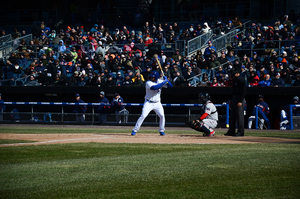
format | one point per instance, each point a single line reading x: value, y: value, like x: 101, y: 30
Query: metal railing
x: 219, y: 41
x: 5, y: 39
x: 12, y: 45
x: 35, y: 114
x: 210, y: 72
x: 198, y: 42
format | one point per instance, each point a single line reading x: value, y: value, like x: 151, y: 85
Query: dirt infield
x: 139, y: 138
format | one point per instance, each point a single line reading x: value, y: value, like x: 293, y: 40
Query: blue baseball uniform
x: 263, y: 107
x: 284, y: 123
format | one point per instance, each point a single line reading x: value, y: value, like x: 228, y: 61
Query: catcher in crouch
x: 209, y: 116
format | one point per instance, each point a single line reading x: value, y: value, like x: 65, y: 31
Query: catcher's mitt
x: 194, y: 124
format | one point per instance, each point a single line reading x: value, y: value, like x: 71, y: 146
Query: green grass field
x: 98, y: 170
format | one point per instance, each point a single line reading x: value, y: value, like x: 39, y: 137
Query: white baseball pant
x: 147, y: 108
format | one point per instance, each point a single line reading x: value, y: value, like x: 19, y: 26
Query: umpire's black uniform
x: 237, y: 113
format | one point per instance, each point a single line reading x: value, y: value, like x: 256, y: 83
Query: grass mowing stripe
x: 95, y: 170
x: 41, y: 130
x: 7, y: 141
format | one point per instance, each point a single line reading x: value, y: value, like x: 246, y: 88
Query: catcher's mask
x: 203, y: 97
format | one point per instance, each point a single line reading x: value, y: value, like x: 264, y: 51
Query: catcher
x: 209, y: 116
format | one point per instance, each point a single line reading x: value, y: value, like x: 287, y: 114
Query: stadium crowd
x: 98, y: 56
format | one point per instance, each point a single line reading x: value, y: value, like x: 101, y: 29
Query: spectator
x: 148, y: 70
x: 177, y: 56
x: 18, y: 71
x: 127, y: 81
x: 205, y: 82
x: 230, y: 57
x: 62, y: 48
x: 286, y: 76
x: 59, y: 81
x: 74, y: 79
x: 297, y: 81
x: 166, y: 70
x: 178, y: 79
x: 287, y: 22
x: 138, y: 81
x: 278, y: 82
x: 8, y: 73
x: 214, y: 82
x: 13, y: 58
x: 206, y: 28
x: 266, y: 82
x: 255, y: 81
x: 214, y: 63
x: 262, y: 72
x: 236, y: 22
x: 272, y: 71
x: 244, y: 73
x: 135, y: 77
x: 196, y: 70
x: 220, y: 73
x: 207, y: 51
x: 79, y: 109
x: 31, y: 81
x: 222, y: 59
x: 190, y: 76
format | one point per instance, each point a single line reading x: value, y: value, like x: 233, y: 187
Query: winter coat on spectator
x: 8, y: 71
x: 278, y: 82
x: 62, y: 47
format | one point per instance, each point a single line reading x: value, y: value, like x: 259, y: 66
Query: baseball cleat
x: 162, y: 133
x: 133, y: 133
x: 211, y: 134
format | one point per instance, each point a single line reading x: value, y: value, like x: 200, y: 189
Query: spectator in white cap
x: 100, y: 49
x: 205, y: 28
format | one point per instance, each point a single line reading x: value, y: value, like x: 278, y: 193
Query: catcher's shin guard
x: 204, y: 128
x: 199, y: 126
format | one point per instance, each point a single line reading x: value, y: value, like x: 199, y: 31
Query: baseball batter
x: 152, y: 101
x: 209, y: 116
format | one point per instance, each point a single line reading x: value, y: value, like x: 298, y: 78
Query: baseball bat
x: 161, y: 70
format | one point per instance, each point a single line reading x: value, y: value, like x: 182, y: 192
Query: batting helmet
x: 154, y: 74
x: 203, y: 97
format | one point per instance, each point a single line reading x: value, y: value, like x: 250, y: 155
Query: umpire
x: 237, y: 105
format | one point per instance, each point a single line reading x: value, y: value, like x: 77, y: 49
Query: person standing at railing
x: 79, y: 109
x: 9, y: 73
x: 236, y: 22
x: 205, y: 28
x: 120, y: 111
x: 102, y: 109
x: 2, y: 65
x: 2, y: 108
x: 207, y: 51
